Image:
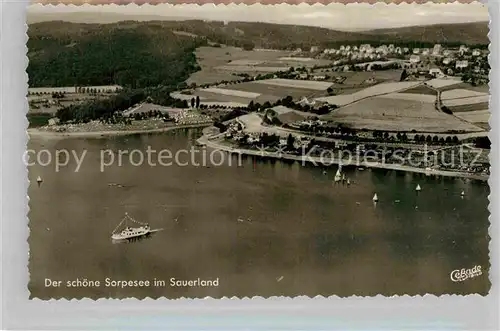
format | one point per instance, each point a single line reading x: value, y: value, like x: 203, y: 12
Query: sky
x: 337, y: 16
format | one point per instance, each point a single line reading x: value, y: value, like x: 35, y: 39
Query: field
x: 440, y: 83
x: 385, y: 88
x: 469, y: 107
x: 467, y: 86
x: 422, y: 89
x: 466, y: 101
x: 382, y: 113
x: 258, y: 91
x: 222, y: 63
x: 411, y: 97
x: 236, y: 93
x: 293, y: 83
x: 211, y: 57
x: 460, y: 93
x: 478, y: 116
x: 357, y: 78
x: 273, y: 90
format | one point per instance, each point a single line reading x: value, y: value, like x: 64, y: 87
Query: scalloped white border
x: 471, y: 312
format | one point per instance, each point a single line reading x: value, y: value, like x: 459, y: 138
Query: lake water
x: 306, y: 236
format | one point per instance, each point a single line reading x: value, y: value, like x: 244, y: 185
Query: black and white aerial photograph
x: 186, y: 151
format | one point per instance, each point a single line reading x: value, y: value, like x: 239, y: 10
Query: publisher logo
x: 461, y: 275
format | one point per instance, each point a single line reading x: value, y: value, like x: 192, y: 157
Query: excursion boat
x: 130, y: 232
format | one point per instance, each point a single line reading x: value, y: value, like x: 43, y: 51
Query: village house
x: 446, y: 52
x: 406, y: 50
x: 447, y: 60
x: 436, y: 72
x: 425, y: 51
x: 319, y: 77
x: 436, y: 50
x: 314, y: 49
x: 462, y: 64
x: 414, y: 59
x: 398, y: 50
x: 416, y: 51
x: 476, y: 52
x: 463, y: 49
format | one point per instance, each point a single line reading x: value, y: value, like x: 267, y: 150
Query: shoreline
x: 36, y: 132
x: 205, y: 141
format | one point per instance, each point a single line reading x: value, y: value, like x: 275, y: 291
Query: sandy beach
x: 37, y: 132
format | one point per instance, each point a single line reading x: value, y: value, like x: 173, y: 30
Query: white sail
x: 463, y: 193
x: 348, y: 181
x: 418, y: 187
x: 39, y: 179
x: 375, y: 197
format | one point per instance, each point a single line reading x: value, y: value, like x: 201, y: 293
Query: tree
x: 482, y: 142
x: 404, y: 75
x: 248, y: 46
x: 197, y: 101
x: 290, y: 142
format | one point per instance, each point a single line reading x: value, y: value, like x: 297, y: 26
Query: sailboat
x: 39, y: 180
x: 130, y: 232
x: 375, y: 197
x: 462, y: 194
x: 338, y: 176
x: 418, y: 188
x: 348, y: 181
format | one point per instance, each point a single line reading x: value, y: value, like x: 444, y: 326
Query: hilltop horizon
x: 351, y: 18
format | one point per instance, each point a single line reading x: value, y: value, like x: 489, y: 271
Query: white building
x: 416, y: 51
x: 436, y: 72
x: 314, y: 49
x: 447, y: 60
x: 446, y: 52
x: 406, y: 50
x: 437, y: 49
x: 319, y: 77
x: 365, y: 47
x: 382, y: 49
x: 398, y: 50
x: 476, y: 52
x: 462, y: 64
x: 425, y: 51
x: 414, y: 59
x: 463, y: 49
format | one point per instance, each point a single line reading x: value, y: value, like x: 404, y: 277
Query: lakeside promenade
x: 211, y: 142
